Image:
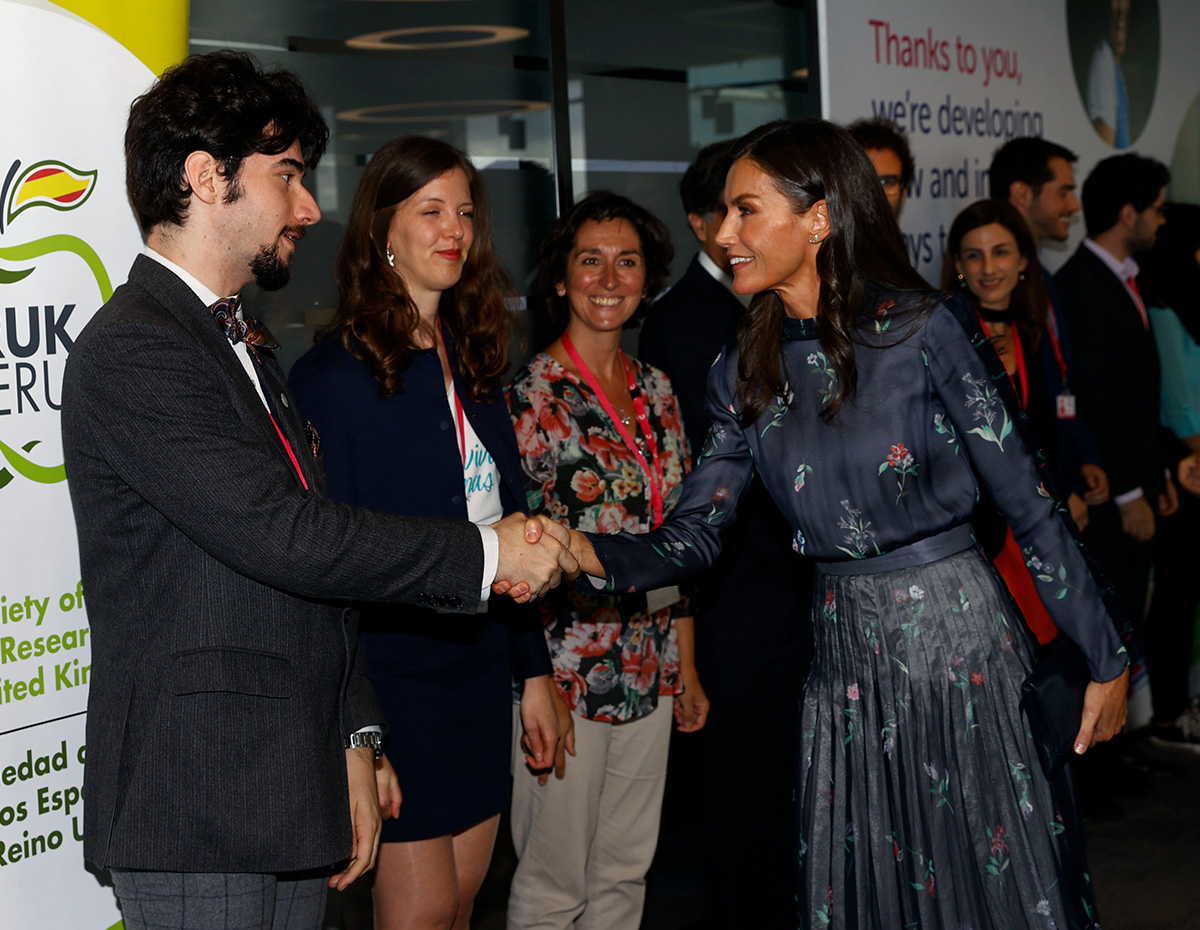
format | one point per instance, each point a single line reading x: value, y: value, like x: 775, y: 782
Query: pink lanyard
x: 288, y: 446
x: 458, y: 407
x: 653, y: 475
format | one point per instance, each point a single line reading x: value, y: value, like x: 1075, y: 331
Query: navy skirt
x: 920, y: 799
x: 445, y: 685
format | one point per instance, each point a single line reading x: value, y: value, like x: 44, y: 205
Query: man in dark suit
x: 1115, y: 371
x: 1037, y: 177
x: 229, y: 717
x: 753, y: 632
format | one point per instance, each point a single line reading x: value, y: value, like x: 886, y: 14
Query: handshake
x: 535, y: 552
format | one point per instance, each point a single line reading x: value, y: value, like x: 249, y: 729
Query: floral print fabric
x: 904, y: 461
x: 612, y: 658
x: 920, y: 800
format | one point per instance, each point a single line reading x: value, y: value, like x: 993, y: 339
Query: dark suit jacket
x: 758, y: 591
x: 1076, y: 447
x: 223, y: 679
x: 1114, y: 372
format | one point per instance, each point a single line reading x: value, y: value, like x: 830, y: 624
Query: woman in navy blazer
x: 403, y: 390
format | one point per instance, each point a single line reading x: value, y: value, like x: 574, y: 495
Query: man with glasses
x: 888, y: 150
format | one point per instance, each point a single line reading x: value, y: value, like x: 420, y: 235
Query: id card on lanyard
x: 1064, y: 401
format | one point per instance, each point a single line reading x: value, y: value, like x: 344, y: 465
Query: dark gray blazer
x: 225, y: 668
x: 1115, y: 373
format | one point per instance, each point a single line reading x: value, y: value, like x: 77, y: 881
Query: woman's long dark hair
x: 810, y: 160
x: 376, y: 318
x: 1029, y: 298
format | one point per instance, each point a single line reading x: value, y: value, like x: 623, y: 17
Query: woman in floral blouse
x: 603, y: 450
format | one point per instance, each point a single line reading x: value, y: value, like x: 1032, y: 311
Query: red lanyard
x: 653, y: 475
x: 458, y: 407
x: 1019, y: 357
x: 1052, y: 332
x: 288, y: 446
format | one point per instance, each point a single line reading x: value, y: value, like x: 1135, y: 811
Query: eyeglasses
x: 889, y: 182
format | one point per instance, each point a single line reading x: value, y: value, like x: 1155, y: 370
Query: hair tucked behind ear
x: 810, y: 160
x: 376, y: 318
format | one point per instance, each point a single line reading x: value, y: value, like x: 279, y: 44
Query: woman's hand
x: 691, y: 707
x: 540, y: 722
x: 1189, y: 473
x: 1104, y: 707
x: 566, y: 736
x: 389, y: 788
x: 579, y: 556
x: 548, y: 698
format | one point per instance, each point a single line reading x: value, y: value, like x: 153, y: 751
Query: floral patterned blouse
x: 933, y: 419
x: 612, y: 658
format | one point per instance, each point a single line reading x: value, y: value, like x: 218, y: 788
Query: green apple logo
x: 56, y: 186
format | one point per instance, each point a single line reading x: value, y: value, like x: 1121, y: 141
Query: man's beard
x: 270, y: 271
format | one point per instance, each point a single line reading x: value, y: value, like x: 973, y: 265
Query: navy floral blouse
x: 612, y: 658
x: 904, y: 460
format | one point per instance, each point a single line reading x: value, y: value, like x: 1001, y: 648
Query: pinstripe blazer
x: 225, y: 668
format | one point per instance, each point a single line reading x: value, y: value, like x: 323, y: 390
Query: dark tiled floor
x: 1144, y: 865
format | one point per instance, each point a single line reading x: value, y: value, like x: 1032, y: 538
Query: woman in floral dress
x: 874, y: 411
x: 603, y: 449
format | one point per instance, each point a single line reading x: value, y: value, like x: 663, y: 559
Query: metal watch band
x: 368, y: 739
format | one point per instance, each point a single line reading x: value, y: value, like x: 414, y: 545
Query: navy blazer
x: 400, y: 455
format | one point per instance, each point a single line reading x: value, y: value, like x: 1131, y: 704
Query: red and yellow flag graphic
x: 50, y: 184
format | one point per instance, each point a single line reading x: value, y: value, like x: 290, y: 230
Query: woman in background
x: 992, y: 259
x: 603, y: 449
x: 404, y: 389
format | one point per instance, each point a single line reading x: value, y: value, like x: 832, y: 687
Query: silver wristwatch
x: 369, y: 739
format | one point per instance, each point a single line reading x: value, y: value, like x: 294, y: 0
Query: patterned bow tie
x: 248, y: 330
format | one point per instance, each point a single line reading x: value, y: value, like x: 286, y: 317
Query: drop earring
x: 391, y: 259
x: 962, y: 282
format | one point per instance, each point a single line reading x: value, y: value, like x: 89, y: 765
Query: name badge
x: 658, y: 598
x: 1066, y: 406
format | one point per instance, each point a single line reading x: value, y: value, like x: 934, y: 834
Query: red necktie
x: 1131, y: 283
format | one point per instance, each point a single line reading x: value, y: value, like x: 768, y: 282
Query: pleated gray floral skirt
x: 920, y: 800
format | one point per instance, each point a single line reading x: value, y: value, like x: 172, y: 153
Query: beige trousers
x: 586, y: 842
